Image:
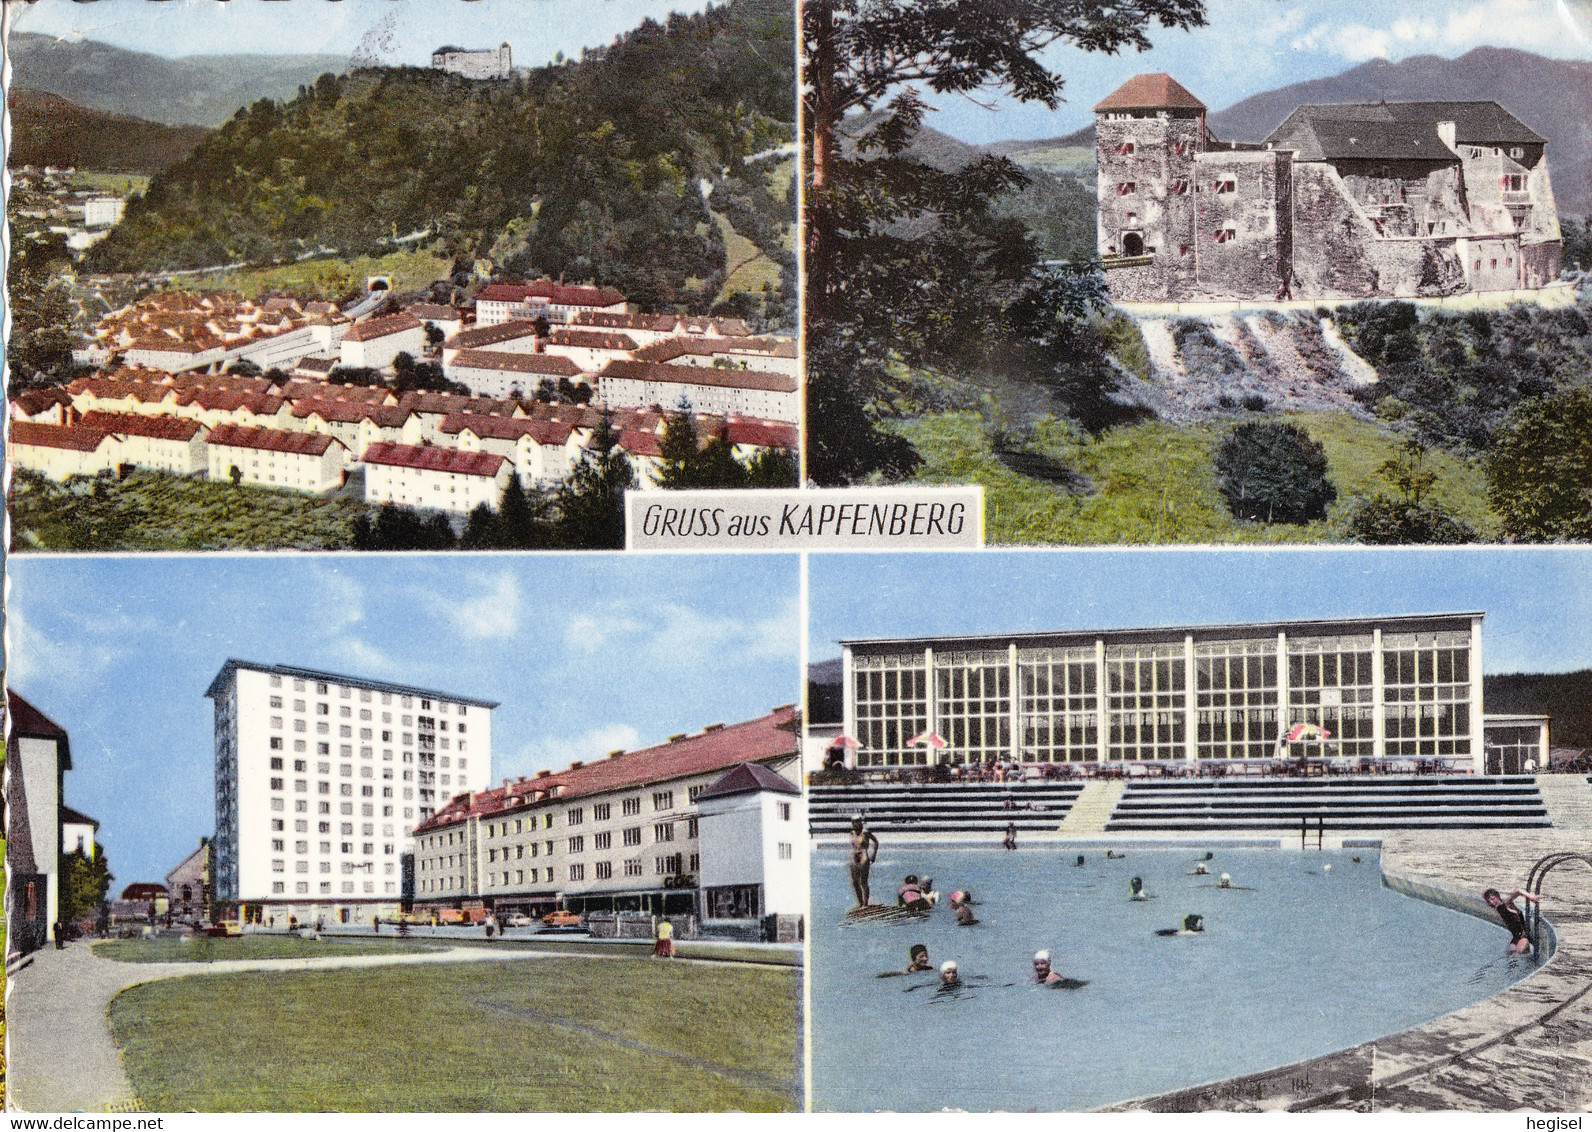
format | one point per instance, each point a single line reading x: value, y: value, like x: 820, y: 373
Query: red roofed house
x: 752, y: 821
x: 434, y: 478
x: 621, y: 833
x: 588, y: 348
x: 166, y: 444
x: 644, y: 450
x: 503, y: 374
x: 699, y: 389
x: 767, y: 355
x: 374, y: 343
x: 501, y: 337
x: 61, y: 451
x: 543, y: 452
x: 542, y: 298
x: 301, y: 461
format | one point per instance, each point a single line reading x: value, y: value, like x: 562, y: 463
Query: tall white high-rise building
x: 320, y: 779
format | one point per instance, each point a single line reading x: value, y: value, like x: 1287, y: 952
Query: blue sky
x: 586, y: 653
x: 398, y: 31
x: 1538, y: 601
x: 1249, y: 46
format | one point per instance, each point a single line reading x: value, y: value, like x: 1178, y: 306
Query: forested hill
x: 49, y: 130
x: 590, y: 171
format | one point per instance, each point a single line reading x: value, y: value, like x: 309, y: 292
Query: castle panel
x: 1243, y: 229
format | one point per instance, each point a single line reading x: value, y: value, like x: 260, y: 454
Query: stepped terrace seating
x: 942, y: 808
x: 1378, y: 802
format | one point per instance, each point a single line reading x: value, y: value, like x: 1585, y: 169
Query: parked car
x: 561, y: 918
x: 517, y: 920
x: 222, y: 929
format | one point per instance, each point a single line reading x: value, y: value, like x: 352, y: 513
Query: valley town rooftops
x: 477, y: 336
x: 547, y: 365
x: 381, y: 327
x: 271, y: 440
x: 71, y: 438
x: 137, y: 424
x: 557, y: 294
x: 699, y: 375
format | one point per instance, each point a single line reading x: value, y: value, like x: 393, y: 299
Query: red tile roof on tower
x: 137, y: 424
x: 72, y: 438
x: 433, y: 459
x: 1150, y: 92
x: 272, y: 439
x: 381, y: 327
x: 717, y: 748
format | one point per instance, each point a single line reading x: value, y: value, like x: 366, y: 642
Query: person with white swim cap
x: 948, y: 974
x: 1226, y: 881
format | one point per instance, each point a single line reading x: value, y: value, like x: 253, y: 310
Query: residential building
x: 750, y: 824
x: 78, y: 831
x: 542, y: 298
x: 1400, y: 689
x: 448, y: 320
x: 503, y: 375
x: 622, y: 833
x: 320, y: 777
x: 432, y: 478
x: 542, y: 452
x: 699, y: 389
x: 165, y: 444
x: 374, y: 343
x: 767, y: 355
x: 302, y: 461
x: 38, y: 755
x: 103, y: 212
x: 61, y: 451
x: 589, y: 349
x: 512, y: 337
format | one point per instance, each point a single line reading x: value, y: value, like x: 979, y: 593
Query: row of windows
x: 301, y: 888
x: 365, y: 694
x: 279, y: 865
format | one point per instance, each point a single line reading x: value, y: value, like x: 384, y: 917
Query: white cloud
x: 682, y: 636
x: 1531, y: 25
x: 364, y: 655
x: 557, y: 752
x: 489, y: 609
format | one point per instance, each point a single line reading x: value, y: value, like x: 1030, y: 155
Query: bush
x: 1539, y: 469
x: 1385, y: 522
x: 1273, y: 473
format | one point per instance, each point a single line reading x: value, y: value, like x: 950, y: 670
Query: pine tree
x: 591, y: 502
x: 771, y: 467
x: 679, y: 453
x: 480, y: 529
x: 717, y: 465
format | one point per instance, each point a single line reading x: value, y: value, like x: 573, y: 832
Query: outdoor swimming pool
x: 1303, y: 962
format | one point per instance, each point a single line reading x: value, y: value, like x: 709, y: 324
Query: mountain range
x: 191, y: 90
x: 47, y: 129
x: 1552, y: 96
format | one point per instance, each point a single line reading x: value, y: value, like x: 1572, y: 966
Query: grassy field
x: 155, y: 511
x: 119, y: 184
x: 539, y: 1035
x: 1072, y: 160
x: 1155, y: 482
x: 208, y: 950
x: 746, y: 267
x: 326, y: 278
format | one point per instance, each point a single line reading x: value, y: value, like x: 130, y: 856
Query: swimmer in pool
x: 1113, y: 855
x: 1519, y: 940
x: 1356, y: 860
x: 1078, y: 864
x: 917, y: 963
x: 1191, y: 925
x: 1200, y: 871
x: 1136, y: 889
x: 1225, y: 882
x: 908, y: 893
x: 949, y: 976
x: 1046, y: 977
x: 1326, y: 868
x: 963, y: 910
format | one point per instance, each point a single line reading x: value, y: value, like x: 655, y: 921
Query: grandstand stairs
x: 1568, y: 798
x: 1349, y: 803
x: 1093, y: 808
x: 942, y: 807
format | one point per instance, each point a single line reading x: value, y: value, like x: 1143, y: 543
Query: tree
x: 716, y: 465
x: 1539, y: 468
x: 771, y: 467
x: 400, y: 528
x: 591, y: 502
x: 434, y: 334
x: 903, y: 258
x: 40, y: 350
x: 677, y: 452
x: 480, y: 529
x: 1410, y: 518
x: 85, y: 880
x: 1273, y: 473
x: 521, y: 524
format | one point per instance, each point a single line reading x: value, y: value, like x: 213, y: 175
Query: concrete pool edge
x: 1527, y: 1047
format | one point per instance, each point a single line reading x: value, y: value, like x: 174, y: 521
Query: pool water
x: 1299, y: 961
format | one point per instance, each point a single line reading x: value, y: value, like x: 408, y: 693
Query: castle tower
x: 1147, y: 133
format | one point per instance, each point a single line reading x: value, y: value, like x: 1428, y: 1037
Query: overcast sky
x: 1538, y: 601
x: 586, y: 653
x: 394, y: 31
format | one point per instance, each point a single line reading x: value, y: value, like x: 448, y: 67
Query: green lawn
x: 326, y: 278
x: 154, y: 511
x: 208, y: 950
x: 539, y: 1035
x: 120, y: 184
x: 1155, y: 482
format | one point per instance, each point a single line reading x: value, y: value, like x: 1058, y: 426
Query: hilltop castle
x: 488, y: 63
x: 1357, y: 200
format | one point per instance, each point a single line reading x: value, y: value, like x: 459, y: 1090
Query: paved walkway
x: 62, y: 1056
x: 1527, y: 1048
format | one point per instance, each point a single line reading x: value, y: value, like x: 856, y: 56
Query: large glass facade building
x: 1373, y: 688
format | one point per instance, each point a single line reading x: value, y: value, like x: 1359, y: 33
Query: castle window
x: 1492, y: 263
x: 1125, y: 147
x: 1226, y: 235
x: 1182, y: 249
x: 1517, y: 152
x: 1180, y: 188
x: 1222, y: 186
x: 1512, y: 183
x: 1127, y: 188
